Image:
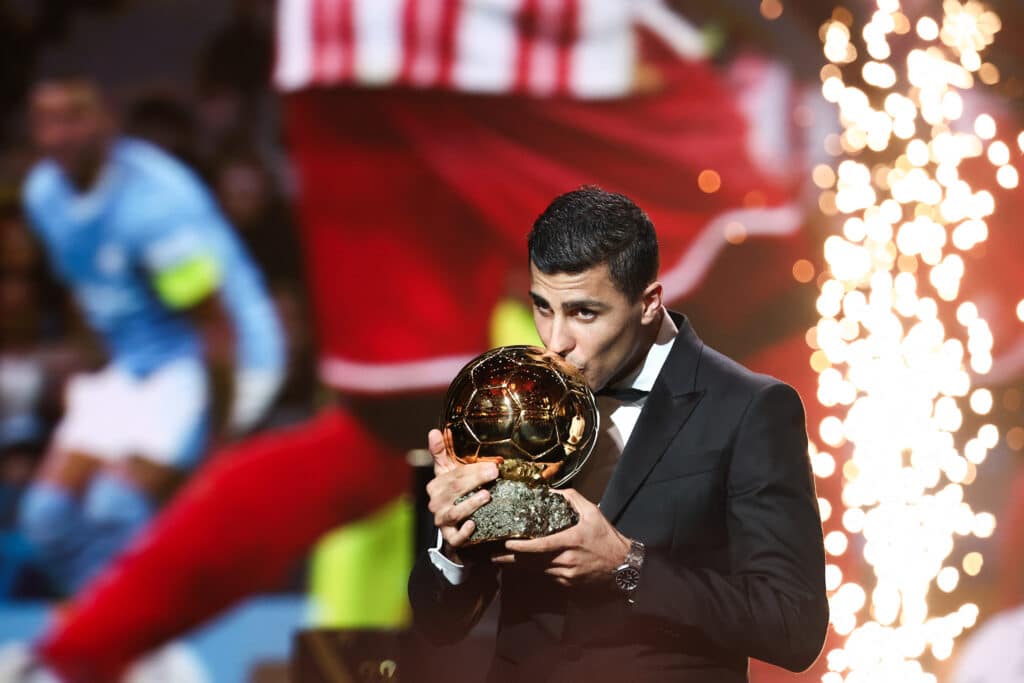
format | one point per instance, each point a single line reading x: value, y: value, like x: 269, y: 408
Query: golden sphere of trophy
x: 533, y: 414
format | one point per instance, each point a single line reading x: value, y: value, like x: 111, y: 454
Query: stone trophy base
x: 520, y: 510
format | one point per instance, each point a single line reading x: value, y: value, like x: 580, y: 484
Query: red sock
x: 235, y: 530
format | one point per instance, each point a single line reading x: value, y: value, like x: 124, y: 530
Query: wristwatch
x: 627, y: 574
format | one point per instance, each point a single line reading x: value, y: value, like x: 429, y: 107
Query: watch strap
x: 627, y: 575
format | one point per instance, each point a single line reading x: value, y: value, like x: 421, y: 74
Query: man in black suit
x: 699, y: 541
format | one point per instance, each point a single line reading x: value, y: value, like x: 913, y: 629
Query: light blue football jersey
x: 147, y: 214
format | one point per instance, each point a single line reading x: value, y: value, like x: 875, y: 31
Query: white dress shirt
x: 618, y: 418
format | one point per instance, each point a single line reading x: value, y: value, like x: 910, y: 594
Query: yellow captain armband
x: 189, y: 282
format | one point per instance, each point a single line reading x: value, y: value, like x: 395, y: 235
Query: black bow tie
x: 624, y: 394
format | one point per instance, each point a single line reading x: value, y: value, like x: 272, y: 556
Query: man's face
x: 70, y: 124
x: 586, y: 320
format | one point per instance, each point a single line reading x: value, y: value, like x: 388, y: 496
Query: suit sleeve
x: 443, y: 612
x: 772, y: 606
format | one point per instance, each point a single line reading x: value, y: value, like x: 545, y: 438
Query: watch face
x: 627, y: 579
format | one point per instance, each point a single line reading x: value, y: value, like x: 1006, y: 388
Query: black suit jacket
x: 715, y: 480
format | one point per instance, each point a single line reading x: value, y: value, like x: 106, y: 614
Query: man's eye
x: 586, y: 314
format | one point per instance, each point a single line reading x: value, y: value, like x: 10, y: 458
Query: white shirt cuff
x: 455, y: 573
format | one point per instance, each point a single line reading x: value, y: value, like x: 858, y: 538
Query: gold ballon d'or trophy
x: 533, y: 414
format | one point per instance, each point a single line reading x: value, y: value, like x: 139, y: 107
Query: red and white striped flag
x: 582, y: 48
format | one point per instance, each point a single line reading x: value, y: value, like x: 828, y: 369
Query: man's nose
x: 561, y: 341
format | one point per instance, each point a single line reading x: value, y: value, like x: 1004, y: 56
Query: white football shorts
x: 162, y: 417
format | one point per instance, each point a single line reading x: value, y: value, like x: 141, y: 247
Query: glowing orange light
x: 709, y: 181
x: 735, y: 232
x: 771, y: 9
x: 1015, y: 438
x: 803, y: 271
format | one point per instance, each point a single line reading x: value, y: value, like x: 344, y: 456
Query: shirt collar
x: 87, y: 205
x: 644, y: 376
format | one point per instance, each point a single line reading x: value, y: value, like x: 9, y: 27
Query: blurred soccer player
x: 142, y: 246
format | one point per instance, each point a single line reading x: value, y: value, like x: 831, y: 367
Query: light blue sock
x: 50, y: 519
x: 114, y: 511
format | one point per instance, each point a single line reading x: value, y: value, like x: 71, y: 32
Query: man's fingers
x: 563, y: 577
x: 449, y: 443
x: 544, y: 544
x: 454, y: 514
x: 572, y: 495
x: 560, y: 572
x: 575, y: 499
x: 442, y: 461
x: 468, y: 477
x: 445, y: 488
x: 461, y: 534
x: 562, y: 560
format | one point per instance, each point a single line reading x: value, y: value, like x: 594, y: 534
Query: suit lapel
x: 669, y: 405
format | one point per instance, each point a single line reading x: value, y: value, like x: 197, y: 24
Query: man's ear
x: 652, y: 302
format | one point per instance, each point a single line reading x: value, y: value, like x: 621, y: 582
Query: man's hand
x: 451, y: 480
x: 587, y: 552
